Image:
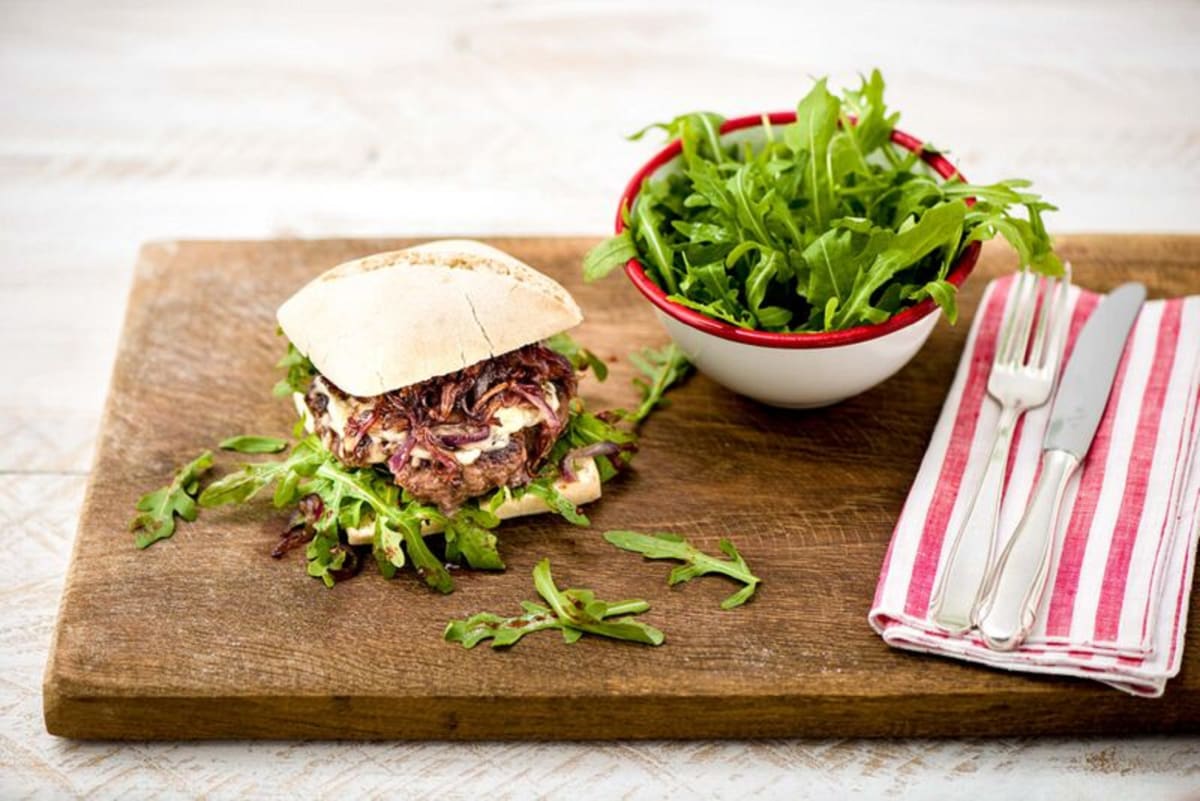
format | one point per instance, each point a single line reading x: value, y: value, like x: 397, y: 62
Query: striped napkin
x: 1116, y: 600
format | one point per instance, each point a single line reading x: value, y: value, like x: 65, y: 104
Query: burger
x: 445, y: 368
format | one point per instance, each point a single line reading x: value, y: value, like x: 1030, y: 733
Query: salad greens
x: 574, y: 612
x: 662, y: 368
x: 157, y: 509
x: 300, y: 371
x: 252, y: 444
x: 825, y: 226
x: 577, y: 355
x: 356, y: 497
x: 695, y: 562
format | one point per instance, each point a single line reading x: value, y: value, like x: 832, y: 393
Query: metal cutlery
x: 1013, y: 590
x: 1022, y: 378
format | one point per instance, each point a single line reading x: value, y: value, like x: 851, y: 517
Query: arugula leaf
x: 545, y: 489
x: 811, y: 136
x: 428, y: 566
x: 300, y: 372
x: 157, y: 509
x: 344, y: 493
x: 580, y: 609
x: 252, y: 444
x: 938, y: 228
x: 573, y: 611
x: 700, y: 131
x: 664, y: 545
x: 662, y: 368
x: 243, y: 485
x: 874, y: 126
x: 326, y: 555
x: 369, y: 486
x: 609, y: 255
x: 385, y: 547
x: 468, y: 534
x: 824, y: 226
x: 502, y: 631
x: 837, y: 259
x: 579, y: 356
x: 944, y: 294
x: 583, y: 429
x: 648, y: 234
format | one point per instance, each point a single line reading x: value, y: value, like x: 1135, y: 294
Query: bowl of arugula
x: 800, y: 258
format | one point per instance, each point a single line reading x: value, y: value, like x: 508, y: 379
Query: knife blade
x: 1087, y: 380
x: 1013, y: 590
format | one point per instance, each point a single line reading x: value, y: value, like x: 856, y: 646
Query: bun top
x: 394, y: 319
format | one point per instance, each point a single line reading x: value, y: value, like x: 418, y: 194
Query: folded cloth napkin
x: 1116, y: 600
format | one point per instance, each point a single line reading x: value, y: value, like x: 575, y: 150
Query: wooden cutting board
x: 206, y: 636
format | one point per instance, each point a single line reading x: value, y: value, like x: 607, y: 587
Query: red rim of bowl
x: 770, y: 339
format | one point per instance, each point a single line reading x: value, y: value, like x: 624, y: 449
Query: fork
x: 1022, y: 378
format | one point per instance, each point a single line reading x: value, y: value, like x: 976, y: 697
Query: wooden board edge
x: 85, y: 717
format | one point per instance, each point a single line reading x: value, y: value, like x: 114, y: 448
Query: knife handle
x: 974, y: 547
x: 1011, y: 595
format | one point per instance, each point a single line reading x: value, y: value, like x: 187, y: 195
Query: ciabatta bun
x: 393, y: 319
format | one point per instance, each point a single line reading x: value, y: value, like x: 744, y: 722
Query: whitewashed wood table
x: 123, y: 122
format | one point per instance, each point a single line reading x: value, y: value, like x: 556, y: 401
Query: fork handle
x: 1014, y: 589
x: 973, y: 546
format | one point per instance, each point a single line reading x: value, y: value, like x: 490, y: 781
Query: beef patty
x: 457, y: 436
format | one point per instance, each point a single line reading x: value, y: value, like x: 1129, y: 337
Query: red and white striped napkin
x: 1115, y: 606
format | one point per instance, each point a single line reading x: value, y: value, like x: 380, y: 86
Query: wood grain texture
x: 204, y: 636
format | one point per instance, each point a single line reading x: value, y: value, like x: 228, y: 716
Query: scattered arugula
x: 579, y: 356
x: 825, y: 226
x: 663, y: 545
x: 574, y: 612
x: 662, y: 368
x: 252, y: 444
x: 157, y: 510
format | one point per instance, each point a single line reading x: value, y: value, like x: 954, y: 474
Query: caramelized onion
x: 605, y: 448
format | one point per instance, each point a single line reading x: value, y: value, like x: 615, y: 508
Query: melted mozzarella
x: 339, y: 413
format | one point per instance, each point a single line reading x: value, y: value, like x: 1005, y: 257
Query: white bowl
x: 800, y: 370
x: 800, y: 379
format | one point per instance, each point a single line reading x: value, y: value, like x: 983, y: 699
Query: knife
x: 1011, y: 594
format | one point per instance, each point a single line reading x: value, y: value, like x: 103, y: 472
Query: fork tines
x: 1046, y: 297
